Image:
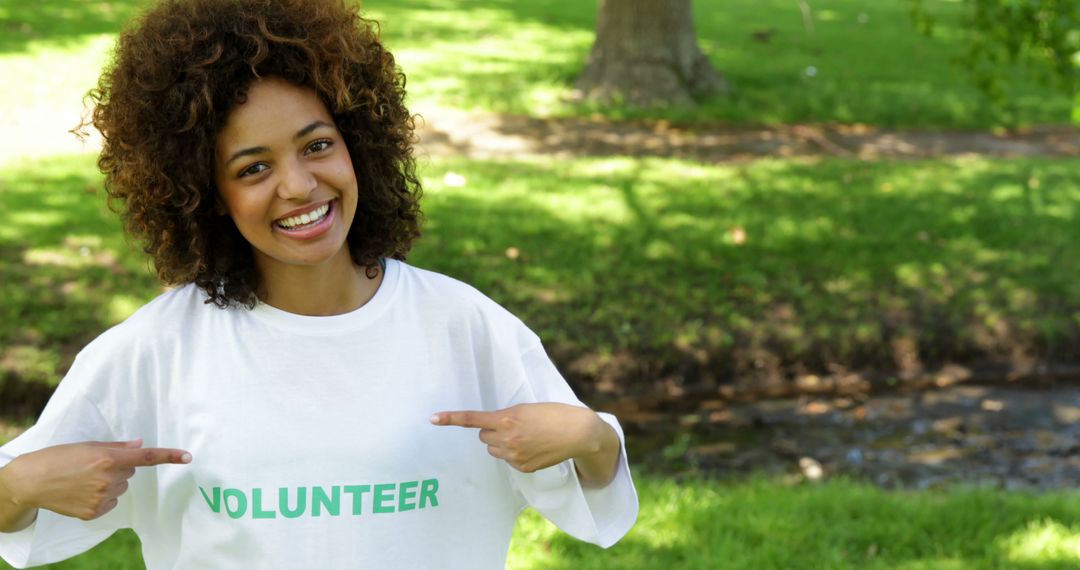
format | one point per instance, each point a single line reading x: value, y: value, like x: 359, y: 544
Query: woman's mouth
x: 306, y: 220
x: 308, y: 225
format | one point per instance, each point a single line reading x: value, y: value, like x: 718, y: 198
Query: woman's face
x: 285, y: 177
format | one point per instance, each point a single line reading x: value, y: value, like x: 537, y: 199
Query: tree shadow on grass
x: 901, y: 267
x: 66, y: 275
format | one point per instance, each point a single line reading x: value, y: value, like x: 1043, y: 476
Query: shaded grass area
x: 659, y: 269
x: 767, y: 524
x: 861, y: 63
x: 643, y: 273
x: 66, y: 274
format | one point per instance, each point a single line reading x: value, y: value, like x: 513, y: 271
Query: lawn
x: 769, y: 524
x: 863, y: 62
x: 857, y: 62
x: 653, y: 268
x: 771, y: 267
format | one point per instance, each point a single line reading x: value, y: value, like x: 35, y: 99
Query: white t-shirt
x: 310, y: 435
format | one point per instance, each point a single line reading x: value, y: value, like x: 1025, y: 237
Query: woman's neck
x: 331, y: 288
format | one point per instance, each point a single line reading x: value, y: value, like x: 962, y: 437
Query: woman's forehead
x: 274, y: 109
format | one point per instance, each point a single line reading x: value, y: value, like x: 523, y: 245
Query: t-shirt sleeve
x: 69, y: 417
x: 599, y: 516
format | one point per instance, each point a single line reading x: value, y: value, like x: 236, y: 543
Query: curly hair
x: 177, y: 74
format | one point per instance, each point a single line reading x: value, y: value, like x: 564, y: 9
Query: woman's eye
x: 319, y: 145
x: 253, y: 169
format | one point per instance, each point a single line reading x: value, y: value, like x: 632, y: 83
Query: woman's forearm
x: 597, y: 469
x: 13, y: 516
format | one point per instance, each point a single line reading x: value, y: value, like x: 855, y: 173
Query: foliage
x: 769, y: 524
x: 1041, y: 37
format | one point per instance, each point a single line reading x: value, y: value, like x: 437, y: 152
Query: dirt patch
x: 986, y: 436
x: 448, y: 132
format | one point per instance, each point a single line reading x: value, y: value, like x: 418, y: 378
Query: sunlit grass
x: 767, y: 524
x: 42, y: 98
x: 1043, y: 541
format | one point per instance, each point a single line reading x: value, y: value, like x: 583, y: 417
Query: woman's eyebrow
x: 259, y: 149
x: 245, y: 152
x: 306, y: 130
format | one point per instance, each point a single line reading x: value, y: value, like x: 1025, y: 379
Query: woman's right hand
x: 82, y: 480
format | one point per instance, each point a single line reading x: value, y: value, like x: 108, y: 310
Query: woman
x: 299, y: 399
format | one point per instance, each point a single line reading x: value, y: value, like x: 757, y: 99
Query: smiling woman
x: 261, y: 151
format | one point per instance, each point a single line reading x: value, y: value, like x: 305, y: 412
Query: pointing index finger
x: 150, y: 456
x: 468, y: 419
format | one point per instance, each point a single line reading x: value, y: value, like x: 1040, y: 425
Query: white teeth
x: 313, y: 216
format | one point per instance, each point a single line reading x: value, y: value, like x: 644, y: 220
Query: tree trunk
x: 646, y: 53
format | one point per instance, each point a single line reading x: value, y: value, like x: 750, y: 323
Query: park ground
x: 836, y: 310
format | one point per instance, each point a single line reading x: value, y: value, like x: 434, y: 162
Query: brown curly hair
x: 174, y: 78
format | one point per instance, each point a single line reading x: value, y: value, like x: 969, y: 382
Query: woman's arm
x: 595, y: 469
x: 13, y: 515
x: 531, y: 437
x: 81, y: 480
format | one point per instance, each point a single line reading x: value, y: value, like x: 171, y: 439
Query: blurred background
x: 819, y: 256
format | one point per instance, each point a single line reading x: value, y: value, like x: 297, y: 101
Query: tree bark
x: 647, y: 54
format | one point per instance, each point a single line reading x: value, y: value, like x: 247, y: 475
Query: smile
x: 305, y: 220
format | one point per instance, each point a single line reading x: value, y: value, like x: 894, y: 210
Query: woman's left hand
x: 534, y: 436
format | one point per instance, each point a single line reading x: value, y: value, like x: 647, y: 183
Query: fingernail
x: 185, y: 458
x: 435, y: 419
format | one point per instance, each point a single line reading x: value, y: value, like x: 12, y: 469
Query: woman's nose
x: 296, y: 181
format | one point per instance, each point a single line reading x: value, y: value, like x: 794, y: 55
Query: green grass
x: 766, y: 524
x: 970, y: 258
x: 523, y: 56
x: 118, y: 552
x: 66, y: 272
x: 638, y: 261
